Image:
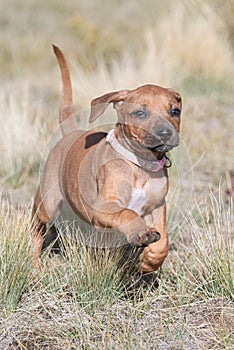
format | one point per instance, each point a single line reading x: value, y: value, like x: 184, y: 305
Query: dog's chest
x: 148, y: 195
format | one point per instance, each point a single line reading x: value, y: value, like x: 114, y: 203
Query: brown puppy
x: 117, y: 180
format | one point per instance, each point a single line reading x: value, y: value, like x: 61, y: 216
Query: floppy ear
x: 176, y: 95
x: 99, y: 104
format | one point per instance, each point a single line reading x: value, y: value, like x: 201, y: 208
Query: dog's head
x: 149, y: 115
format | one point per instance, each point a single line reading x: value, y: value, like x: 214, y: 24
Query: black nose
x: 164, y: 134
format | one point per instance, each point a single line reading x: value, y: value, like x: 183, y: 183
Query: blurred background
x: 109, y: 45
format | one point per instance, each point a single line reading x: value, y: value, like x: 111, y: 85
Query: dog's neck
x: 134, y: 146
x: 152, y: 165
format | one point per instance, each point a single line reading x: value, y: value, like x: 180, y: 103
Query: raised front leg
x: 129, y: 223
x: 110, y: 209
x: 153, y: 256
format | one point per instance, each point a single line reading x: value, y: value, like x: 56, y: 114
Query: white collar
x: 150, y: 165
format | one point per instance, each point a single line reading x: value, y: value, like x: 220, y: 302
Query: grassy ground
x: 79, y: 301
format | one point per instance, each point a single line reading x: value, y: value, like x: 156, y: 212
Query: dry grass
x: 206, y: 241
x: 171, y: 58
x: 15, y: 261
x: 21, y: 132
x: 80, y: 300
x: 83, y: 301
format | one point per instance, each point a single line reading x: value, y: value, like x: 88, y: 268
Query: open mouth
x: 161, y: 148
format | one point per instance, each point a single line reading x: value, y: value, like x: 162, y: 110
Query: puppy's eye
x: 139, y: 114
x: 175, y: 112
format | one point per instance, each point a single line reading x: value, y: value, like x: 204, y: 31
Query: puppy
x: 114, y: 181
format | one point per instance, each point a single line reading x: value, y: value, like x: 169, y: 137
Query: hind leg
x: 51, y: 240
x: 43, y: 212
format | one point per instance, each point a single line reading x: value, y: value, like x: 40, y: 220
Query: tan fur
x: 97, y: 184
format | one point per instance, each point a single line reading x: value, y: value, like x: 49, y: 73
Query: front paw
x: 145, y: 238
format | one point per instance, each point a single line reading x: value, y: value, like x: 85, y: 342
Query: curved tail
x: 66, y: 119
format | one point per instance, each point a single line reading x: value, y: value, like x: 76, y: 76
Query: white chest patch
x: 137, y: 201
